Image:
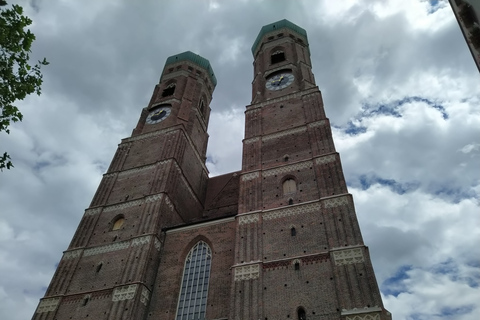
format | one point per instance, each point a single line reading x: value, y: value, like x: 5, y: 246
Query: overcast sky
x: 399, y: 85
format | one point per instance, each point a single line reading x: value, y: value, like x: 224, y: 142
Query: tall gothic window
x: 192, y: 302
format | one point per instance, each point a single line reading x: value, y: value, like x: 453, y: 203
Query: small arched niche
x: 301, y: 314
x: 118, y: 223
x: 289, y: 186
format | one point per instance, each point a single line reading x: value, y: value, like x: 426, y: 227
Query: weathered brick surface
x: 275, y: 251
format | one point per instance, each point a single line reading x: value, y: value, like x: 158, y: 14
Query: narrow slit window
x: 192, y: 302
x: 302, y: 315
x: 293, y: 232
x: 169, y: 90
x: 277, y: 56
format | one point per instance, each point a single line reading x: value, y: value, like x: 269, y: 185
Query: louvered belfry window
x: 192, y: 302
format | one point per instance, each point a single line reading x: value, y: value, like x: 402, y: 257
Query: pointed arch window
x: 192, y: 302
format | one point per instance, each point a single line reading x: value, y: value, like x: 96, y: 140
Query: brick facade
x: 282, y: 234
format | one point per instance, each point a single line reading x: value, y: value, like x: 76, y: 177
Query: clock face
x: 279, y: 81
x: 158, y: 114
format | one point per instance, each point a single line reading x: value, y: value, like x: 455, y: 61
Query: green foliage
x: 17, y: 77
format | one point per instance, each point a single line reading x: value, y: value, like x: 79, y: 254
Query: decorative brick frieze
x: 348, y: 256
x: 253, y: 111
x: 315, y: 258
x: 251, y: 140
x: 124, y: 205
x: 140, y: 241
x: 169, y: 203
x: 157, y: 244
x: 72, y: 254
x: 248, y: 272
x: 335, y: 202
x: 367, y: 313
x: 145, y: 296
x: 124, y: 293
x: 108, y: 248
x: 317, y: 124
x: 276, y: 265
x: 287, y: 169
x: 326, y: 159
x: 291, y: 211
x: 47, y: 305
x: 250, y: 218
x: 372, y: 316
x: 91, y: 212
x: 153, y: 198
x: 284, y: 133
x: 137, y: 170
x: 250, y: 176
x: 111, y: 247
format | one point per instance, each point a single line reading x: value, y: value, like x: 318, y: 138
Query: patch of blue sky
x: 434, y: 5
x: 448, y: 312
x: 454, y: 195
x: 394, y: 108
x: 40, y: 165
x: 366, y: 181
x: 432, y: 104
x: 446, y: 267
x: 353, y: 129
x: 396, y: 284
x: 451, y: 269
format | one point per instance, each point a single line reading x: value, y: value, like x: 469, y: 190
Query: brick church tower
x: 277, y: 240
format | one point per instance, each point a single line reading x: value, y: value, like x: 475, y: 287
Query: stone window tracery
x: 192, y: 302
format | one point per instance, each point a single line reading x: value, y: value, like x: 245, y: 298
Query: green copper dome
x: 277, y: 26
x: 195, y: 58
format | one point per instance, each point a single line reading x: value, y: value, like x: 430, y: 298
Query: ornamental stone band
x: 335, y: 202
x: 47, y: 305
x: 249, y: 218
x: 290, y: 211
x: 248, y: 272
x: 348, y: 256
x: 250, y: 176
x: 124, y: 293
